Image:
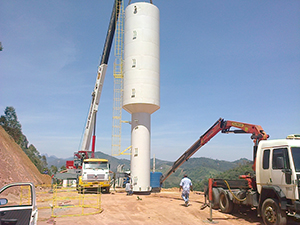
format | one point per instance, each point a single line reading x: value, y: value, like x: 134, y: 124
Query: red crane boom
x: 224, y: 126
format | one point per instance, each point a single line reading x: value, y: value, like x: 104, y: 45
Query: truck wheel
x: 226, y: 205
x: 216, y: 198
x: 105, y: 190
x: 77, y: 182
x: 272, y: 214
x: 80, y: 190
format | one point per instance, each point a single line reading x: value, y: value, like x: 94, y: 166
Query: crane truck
x: 91, y: 177
x: 273, y: 190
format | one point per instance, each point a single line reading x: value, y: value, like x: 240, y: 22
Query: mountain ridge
x: 197, y: 168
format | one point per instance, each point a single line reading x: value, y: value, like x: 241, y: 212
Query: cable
x: 240, y: 200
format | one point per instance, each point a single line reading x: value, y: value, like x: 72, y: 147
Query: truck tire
x: 105, y: 190
x: 272, y: 214
x: 80, y: 190
x: 215, y: 198
x: 226, y: 205
x: 77, y: 182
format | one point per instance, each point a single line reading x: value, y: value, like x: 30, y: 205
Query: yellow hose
x: 240, y: 200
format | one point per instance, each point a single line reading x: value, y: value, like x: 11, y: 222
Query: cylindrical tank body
x: 141, y: 85
x: 140, y: 152
x: 141, y: 58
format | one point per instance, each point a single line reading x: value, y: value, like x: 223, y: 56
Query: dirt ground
x: 165, y: 207
x: 15, y: 166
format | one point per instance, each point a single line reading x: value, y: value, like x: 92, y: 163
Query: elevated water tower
x: 141, y: 85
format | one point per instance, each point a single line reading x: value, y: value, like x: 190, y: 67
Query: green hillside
x: 198, y: 169
x: 114, y: 162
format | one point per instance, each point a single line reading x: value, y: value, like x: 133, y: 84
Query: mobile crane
x: 223, y: 126
x: 96, y: 94
x: 95, y: 172
x: 274, y: 190
x: 90, y: 126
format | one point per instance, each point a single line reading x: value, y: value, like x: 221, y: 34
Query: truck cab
x: 278, y: 163
x: 278, y: 176
x: 94, y: 175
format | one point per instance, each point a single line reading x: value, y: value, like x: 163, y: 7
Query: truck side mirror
x: 288, y: 175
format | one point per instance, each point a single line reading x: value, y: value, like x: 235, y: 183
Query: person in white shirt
x: 186, y: 185
x: 128, y: 188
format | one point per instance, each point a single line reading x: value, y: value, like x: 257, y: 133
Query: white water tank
x: 141, y: 85
x: 141, y: 58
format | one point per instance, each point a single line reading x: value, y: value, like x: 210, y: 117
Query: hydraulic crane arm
x: 224, y: 126
x: 96, y: 94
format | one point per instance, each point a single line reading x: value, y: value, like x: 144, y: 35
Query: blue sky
x: 234, y: 59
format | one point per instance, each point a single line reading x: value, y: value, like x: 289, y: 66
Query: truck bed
x: 233, y: 184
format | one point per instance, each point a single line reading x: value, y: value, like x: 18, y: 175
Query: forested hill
x: 9, y: 122
x: 15, y: 166
x: 114, y: 162
x: 198, y: 169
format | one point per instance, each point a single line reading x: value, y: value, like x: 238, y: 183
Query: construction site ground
x: 165, y: 207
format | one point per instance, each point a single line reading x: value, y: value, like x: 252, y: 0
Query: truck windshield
x: 296, y: 156
x: 96, y: 165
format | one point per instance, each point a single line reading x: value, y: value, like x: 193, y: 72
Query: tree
x: 63, y: 168
x: 44, y: 161
x: 23, y: 142
x: 11, y: 124
x: 53, y: 169
x: 39, y: 161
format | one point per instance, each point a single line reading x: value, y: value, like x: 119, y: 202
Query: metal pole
x: 153, y: 163
x: 210, y: 198
x: 210, y: 181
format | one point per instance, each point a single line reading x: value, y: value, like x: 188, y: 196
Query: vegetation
x: 231, y: 174
x: 53, y: 169
x: 236, y: 171
x: 11, y: 125
x: 9, y: 122
x: 201, y: 169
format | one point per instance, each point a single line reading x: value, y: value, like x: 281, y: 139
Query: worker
x: 186, y: 185
x: 128, y: 188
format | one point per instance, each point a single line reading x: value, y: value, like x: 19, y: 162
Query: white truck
x: 94, y: 175
x: 275, y: 187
